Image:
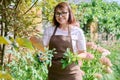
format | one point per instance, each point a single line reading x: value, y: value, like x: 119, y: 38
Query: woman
x: 64, y: 34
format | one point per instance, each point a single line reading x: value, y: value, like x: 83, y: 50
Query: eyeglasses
x: 57, y: 14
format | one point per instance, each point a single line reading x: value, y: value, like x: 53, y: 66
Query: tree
x: 107, y: 16
x: 16, y: 21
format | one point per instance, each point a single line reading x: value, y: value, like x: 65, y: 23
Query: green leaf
x: 4, y: 40
x: 25, y: 43
x: 5, y: 76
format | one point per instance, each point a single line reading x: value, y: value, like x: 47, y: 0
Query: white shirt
x: 77, y: 35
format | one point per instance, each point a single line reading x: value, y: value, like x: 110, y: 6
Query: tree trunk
x: 3, y: 30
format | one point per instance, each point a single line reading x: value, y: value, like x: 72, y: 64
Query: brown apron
x: 55, y: 72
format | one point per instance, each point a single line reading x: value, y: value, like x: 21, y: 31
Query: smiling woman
x: 63, y: 12
x: 61, y: 36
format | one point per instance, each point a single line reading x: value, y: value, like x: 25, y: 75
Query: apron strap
x: 54, y: 31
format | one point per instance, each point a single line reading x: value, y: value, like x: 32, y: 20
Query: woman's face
x: 62, y: 16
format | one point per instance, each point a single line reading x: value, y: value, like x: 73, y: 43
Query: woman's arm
x: 81, y: 44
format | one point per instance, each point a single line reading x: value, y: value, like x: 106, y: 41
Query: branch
x: 17, y: 4
x: 31, y: 7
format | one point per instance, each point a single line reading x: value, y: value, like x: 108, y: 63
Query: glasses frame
x: 58, y: 14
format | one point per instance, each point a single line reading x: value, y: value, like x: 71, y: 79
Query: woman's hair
x: 64, y: 5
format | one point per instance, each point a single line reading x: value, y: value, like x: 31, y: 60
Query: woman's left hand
x: 86, y: 56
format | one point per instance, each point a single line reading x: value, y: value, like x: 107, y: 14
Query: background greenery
x: 18, y: 21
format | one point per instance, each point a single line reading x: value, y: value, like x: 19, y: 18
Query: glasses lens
x: 62, y: 13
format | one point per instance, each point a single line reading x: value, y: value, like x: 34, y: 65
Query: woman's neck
x: 64, y: 27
